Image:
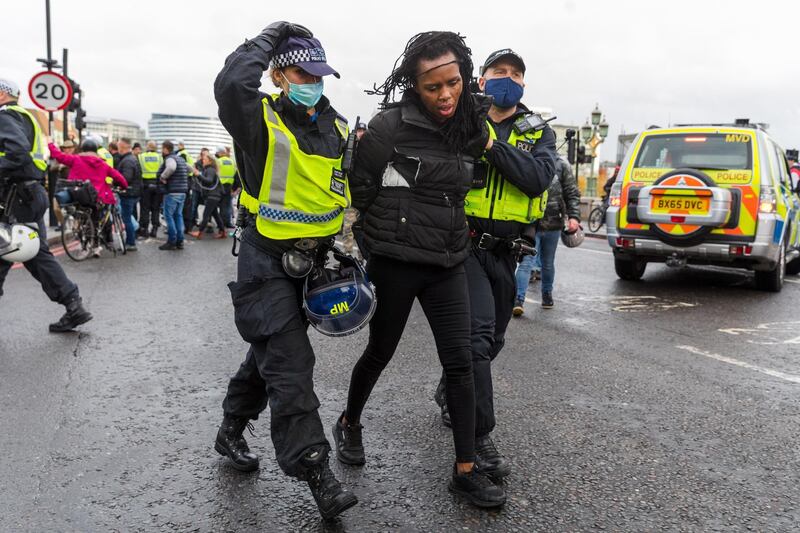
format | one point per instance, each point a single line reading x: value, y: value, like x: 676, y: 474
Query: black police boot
x: 349, y: 448
x: 488, y: 460
x: 441, y: 401
x: 331, y: 498
x: 75, y: 316
x: 477, y: 488
x: 230, y: 442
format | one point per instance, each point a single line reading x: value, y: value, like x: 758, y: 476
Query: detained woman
x: 413, y: 169
x: 208, y: 181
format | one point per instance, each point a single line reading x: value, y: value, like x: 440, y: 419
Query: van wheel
x: 772, y: 280
x: 629, y: 269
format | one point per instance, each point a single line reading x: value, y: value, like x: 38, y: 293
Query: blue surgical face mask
x: 305, y: 94
x: 506, y: 92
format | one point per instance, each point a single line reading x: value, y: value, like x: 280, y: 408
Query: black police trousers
x: 30, y: 207
x: 150, y: 207
x: 442, y: 293
x: 492, y: 289
x: 279, y: 366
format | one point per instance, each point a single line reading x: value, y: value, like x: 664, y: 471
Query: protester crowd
x: 191, y: 195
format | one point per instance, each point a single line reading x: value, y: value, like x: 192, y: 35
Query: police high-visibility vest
x: 106, y: 155
x: 39, y: 152
x: 150, y: 161
x: 189, y: 159
x: 500, y: 199
x: 227, y: 170
x: 248, y: 202
x: 302, y: 195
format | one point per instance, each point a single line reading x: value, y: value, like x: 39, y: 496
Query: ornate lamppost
x: 593, y: 136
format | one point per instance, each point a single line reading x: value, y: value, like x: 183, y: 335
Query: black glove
x: 271, y: 36
x: 477, y: 145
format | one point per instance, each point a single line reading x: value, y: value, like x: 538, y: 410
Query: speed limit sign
x: 50, y: 91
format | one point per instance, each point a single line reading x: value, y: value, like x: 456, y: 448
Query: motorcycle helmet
x: 574, y: 239
x: 339, y: 301
x: 18, y: 243
x: 89, y: 145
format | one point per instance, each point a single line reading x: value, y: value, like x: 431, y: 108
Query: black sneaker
x: 230, y: 441
x: 547, y: 300
x: 441, y: 400
x: 179, y: 245
x: 154, y: 233
x: 168, y: 246
x: 477, y: 488
x: 519, y: 308
x: 331, y: 498
x: 488, y: 460
x: 75, y: 316
x: 349, y: 447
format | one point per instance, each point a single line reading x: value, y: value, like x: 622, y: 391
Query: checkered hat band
x: 283, y: 215
x: 307, y: 55
x: 9, y: 88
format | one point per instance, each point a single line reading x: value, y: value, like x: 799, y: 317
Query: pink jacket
x: 90, y: 167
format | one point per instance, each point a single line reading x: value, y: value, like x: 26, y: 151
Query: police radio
x: 531, y: 122
x: 350, y: 149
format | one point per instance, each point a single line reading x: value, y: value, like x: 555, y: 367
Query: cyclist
x: 88, y: 166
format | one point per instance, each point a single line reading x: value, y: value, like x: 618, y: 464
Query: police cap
x: 506, y: 53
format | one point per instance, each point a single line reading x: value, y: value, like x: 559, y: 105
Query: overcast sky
x: 643, y: 62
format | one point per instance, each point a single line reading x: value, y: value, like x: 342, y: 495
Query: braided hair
x: 460, y: 128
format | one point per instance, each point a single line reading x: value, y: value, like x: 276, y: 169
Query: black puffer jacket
x: 563, y: 198
x: 128, y: 166
x: 410, y: 188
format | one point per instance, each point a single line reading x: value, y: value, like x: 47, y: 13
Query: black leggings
x: 211, y: 209
x: 443, y: 294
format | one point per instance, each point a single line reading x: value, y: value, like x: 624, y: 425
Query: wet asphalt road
x: 669, y: 404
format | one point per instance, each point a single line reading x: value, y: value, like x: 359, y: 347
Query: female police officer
x: 412, y: 171
x: 289, y: 149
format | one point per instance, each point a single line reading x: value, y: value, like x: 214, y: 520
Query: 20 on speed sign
x: 50, y: 91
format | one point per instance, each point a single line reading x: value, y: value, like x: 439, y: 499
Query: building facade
x: 195, y: 132
x: 112, y: 129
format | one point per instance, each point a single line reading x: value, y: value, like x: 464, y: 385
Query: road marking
x: 791, y: 280
x: 771, y: 331
x: 636, y: 303
x: 730, y: 360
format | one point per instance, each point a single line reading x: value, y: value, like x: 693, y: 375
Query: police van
x: 714, y: 194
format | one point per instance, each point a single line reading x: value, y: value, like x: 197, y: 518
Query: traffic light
x: 79, y: 123
x: 75, y: 103
x: 581, y: 154
x: 571, y: 145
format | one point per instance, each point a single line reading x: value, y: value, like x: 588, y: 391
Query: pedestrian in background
x: 137, y: 149
x: 113, y: 149
x: 195, y: 198
x: 174, y: 176
x: 150, y: 161
x: 228, y: 178
x: 212, y: 194
x: 23, y: 162
x: 128, y: 166
x: 794, y: 169
x: 563, y: 203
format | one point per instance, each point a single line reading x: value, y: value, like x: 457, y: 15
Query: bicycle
x: 597, y: 217
x: 79, y: 234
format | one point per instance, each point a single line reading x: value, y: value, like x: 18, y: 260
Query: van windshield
x: 713, y: 151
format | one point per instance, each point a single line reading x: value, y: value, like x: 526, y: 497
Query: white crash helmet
x: 18, y: 243
x: 574, y: 239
